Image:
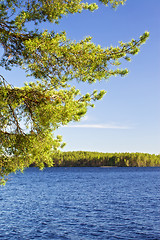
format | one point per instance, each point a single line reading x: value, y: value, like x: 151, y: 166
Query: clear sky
x: 128, y: 117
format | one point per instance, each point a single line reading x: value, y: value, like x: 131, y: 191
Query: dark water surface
x: 81, y: 204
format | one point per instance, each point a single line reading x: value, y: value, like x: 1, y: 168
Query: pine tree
x: 54, y: 61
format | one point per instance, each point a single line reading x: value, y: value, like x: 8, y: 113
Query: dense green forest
x: 97, y: 159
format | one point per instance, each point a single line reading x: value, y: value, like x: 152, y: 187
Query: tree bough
x: 29, y: 115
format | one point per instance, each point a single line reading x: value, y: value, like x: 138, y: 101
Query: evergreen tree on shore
x: 54, y: 61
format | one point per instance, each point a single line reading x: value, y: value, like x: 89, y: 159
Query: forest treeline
x: 97, y: 159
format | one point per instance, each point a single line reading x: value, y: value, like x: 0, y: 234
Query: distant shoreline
x: 104, y: 160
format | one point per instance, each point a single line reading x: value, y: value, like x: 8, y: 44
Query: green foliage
x: 97, y: 159
x: 30, y: 114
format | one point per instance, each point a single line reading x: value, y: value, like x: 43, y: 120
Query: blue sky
x: 128, y: 117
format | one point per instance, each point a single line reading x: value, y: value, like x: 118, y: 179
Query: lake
x: 81, y: 204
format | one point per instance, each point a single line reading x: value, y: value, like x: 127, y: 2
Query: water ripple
x: 81, y: 204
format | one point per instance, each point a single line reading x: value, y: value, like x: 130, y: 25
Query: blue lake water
x: 81, y: 204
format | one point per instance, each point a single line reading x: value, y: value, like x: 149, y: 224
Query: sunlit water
x: 81, y: 204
